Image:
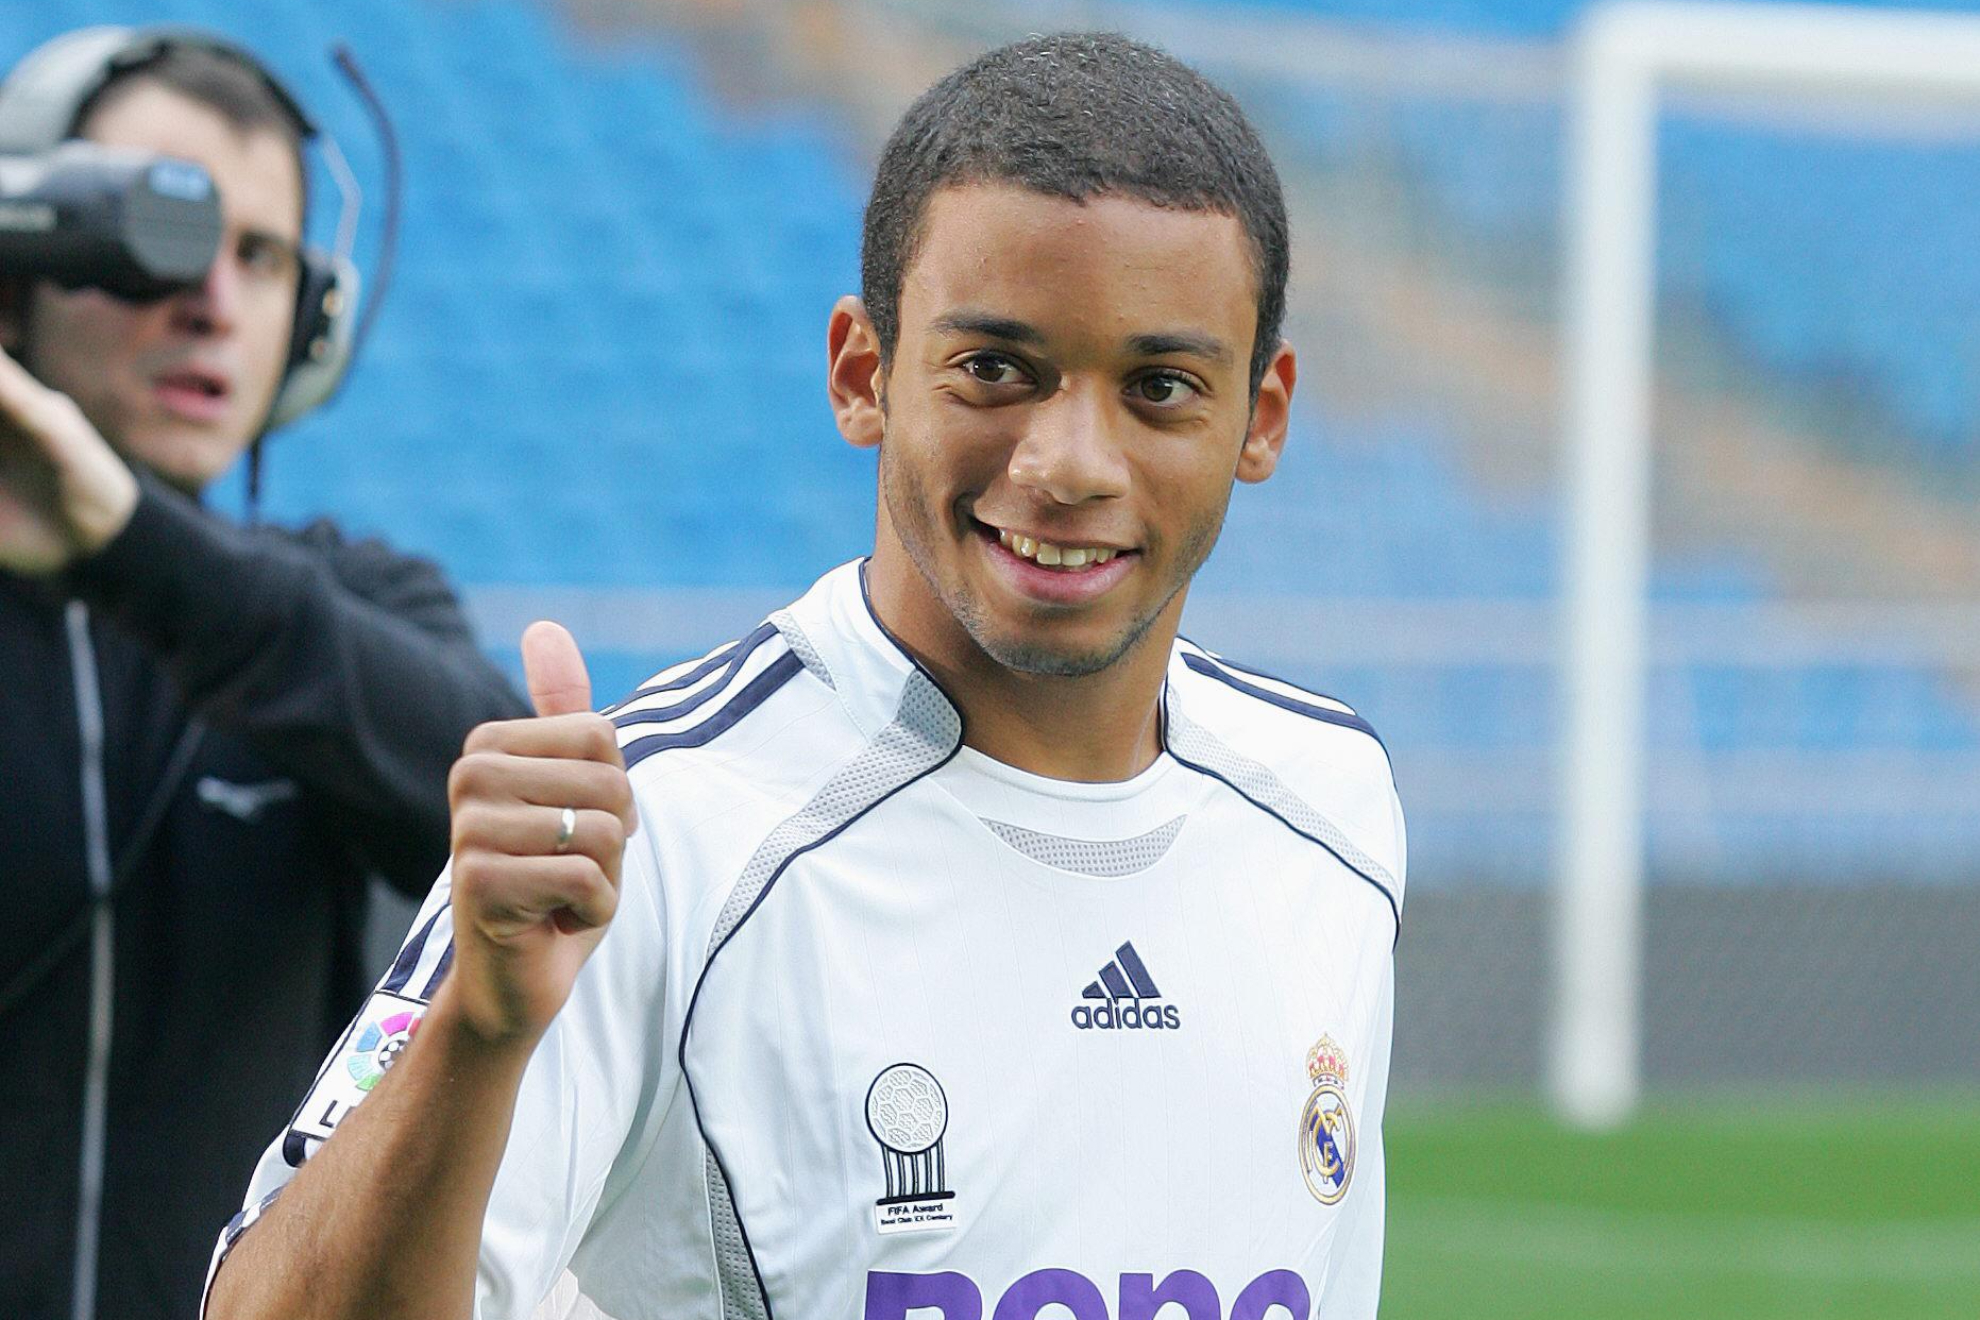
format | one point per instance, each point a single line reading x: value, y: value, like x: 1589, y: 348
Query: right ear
x: 854, y: 375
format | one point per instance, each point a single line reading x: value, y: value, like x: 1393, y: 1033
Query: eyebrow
x: 1183, y: 342
x: 288, y: 245
x: 1159, y: 344
x: 989, y: 326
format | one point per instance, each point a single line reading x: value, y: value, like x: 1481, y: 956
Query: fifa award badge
x: 908, y: 1114
x: 1326, y: 1128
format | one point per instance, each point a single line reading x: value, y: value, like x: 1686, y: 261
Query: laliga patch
x: 359, y: 1063
x: 908, y: 1114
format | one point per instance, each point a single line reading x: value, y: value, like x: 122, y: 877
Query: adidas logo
x: 1119, y: 999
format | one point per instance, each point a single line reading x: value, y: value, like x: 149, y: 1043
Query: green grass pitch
x: 1745, y: 1208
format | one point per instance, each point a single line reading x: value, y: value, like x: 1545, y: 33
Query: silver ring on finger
x: 566, y: 829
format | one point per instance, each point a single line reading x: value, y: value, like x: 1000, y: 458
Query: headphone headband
x: 44, y: 96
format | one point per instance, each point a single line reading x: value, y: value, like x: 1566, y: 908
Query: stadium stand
x: 600, y: 367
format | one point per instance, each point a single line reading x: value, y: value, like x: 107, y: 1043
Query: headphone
x: 40, y: 103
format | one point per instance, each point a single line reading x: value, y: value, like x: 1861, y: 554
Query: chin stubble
x: 903, y: 495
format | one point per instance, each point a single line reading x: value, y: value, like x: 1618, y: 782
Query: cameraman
x: 212, y: 734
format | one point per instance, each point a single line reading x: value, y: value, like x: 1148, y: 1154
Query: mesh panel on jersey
x: 742, y: 1295
x: 925, y: 731
x: 1106, y: 858
x: 801, y: 647
x: 1190, y: 742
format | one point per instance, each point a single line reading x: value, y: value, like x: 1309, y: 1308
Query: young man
x: 213, y: 734
x: 978, y: 945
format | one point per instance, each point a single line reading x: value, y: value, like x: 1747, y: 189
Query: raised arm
x: 348, y: 666
x: 386, y: 1219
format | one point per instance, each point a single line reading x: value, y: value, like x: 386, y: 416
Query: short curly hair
x: 1077, y: 115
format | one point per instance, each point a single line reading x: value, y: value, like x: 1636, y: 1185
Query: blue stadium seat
x: 601, y: 367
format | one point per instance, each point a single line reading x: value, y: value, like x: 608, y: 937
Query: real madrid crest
x: 1326, y: 1128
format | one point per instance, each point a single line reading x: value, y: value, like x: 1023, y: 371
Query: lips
x: 193, y: 392
x: 1058, y: 573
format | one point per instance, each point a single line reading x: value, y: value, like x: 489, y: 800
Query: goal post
x: 1624, y: 56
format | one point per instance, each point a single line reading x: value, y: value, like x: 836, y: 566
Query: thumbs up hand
x: 541, y: 811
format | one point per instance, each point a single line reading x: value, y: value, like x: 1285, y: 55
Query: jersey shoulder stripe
x: 1276, y: 691
x: 701, y: 705
x: 1261, y: 785
x: 753, y: 694
x: 670, y: 700
x: 1272, y: 681
x: 1305, y: 759
x: 685, y: 674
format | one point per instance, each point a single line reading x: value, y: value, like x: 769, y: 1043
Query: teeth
x: 1054, y: 556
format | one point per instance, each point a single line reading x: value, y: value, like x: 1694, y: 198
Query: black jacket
x: 224, y: 730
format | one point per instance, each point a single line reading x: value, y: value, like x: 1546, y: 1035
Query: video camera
x: 131, y: 223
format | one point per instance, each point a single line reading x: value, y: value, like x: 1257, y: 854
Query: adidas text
x: 1128, y: 1016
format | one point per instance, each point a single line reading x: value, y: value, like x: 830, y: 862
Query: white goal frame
x: 1624, y: 56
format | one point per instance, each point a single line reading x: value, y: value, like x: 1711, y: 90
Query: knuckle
x: 613, y: 835
x: 474, y: 774
x: 470, y: 873
x: 600, y: 893
x: 485, y: 736
x: 473, y: 824
x: 597, y: 787
x: 601, y: 737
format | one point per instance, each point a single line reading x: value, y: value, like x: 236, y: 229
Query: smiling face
x: 1066, y: 407
x: 183, y: 384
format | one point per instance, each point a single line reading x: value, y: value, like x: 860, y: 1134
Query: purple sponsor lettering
x: 890, y: 1296
x: 1270, y: 1289
x: 1196, y: 1295
x: 1040, y: 1288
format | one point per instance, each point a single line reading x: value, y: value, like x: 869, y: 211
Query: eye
x: 1164, y: 388
x: 263, y: 256
x: 993, y: 369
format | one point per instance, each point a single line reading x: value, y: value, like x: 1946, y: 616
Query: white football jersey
x: 882, y: 1024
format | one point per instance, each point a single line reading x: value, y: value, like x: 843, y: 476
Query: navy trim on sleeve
x: 408, y: 959
x: 724, y: 655
x: 1344, y: 719
x: 657, y: 714
x: 753, y: 694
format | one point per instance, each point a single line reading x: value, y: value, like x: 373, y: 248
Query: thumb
x: 554, y: 670
x: 26, y: 405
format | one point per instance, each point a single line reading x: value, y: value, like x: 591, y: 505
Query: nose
x: 1071, y: 450
x: 211, y: 307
